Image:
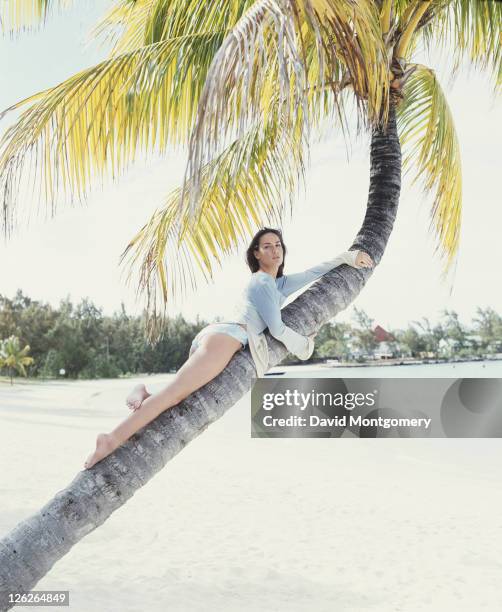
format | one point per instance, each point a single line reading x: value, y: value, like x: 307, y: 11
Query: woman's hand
x: 363, y: 260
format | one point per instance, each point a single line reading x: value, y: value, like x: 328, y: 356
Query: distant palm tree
x: 246, y: 86
x: 13, y: 357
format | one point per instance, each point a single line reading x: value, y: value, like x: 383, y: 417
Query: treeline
x: 84, y: 343
x: 449, y: 338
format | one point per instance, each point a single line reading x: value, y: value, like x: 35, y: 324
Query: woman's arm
x: 263, y: 297
x: 293, y: 282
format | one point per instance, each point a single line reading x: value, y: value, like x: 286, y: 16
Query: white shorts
x: 231, y: 329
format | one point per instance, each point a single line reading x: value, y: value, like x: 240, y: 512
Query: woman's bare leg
x: 204, y: 364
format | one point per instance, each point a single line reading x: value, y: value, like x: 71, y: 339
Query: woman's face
x: 269, y: 254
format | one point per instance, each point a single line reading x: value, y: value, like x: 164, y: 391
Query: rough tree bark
x: 29, y: 551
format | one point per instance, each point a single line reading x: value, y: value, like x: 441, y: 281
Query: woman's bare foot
x: 105, y: 444
x: 137, y: 397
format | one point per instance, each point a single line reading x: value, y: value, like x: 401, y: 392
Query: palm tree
x: 246, y: 86
x: 13, y: 357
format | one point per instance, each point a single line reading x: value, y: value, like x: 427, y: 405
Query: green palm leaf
x: 13, y: 356
x: 431, y: 151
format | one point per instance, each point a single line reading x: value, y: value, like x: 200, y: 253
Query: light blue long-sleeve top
x: 260, y: 307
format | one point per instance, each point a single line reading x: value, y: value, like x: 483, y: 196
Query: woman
x: 214, y: 346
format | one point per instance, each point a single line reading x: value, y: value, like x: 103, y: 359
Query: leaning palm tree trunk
x: 32, y: 548
x: 337, y: 289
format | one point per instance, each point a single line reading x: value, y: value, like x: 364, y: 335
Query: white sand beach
x: 235, y: 523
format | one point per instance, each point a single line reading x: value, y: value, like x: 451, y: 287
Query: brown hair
x: 251, y: 260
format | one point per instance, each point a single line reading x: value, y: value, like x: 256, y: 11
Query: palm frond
x: 136, y: 23
x: 113, y: 25
x: 286, y: 49
x: 431, y: 150
x: 99, y: 120
x: 468, y: 29
x: 18, y: 15
x: 146, y: 99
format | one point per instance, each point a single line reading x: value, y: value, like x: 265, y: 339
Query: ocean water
x: 465, y: 369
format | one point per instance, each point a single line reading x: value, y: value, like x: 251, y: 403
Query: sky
x: 77, y: 252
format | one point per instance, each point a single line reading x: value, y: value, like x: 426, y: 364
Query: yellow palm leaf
x: 468, y: 29
x: 17, y: 15
x: 146, y: 98
x: 132, y: 24
x: 269, y: 51
x: 99, y: 120
x: 432, y: 153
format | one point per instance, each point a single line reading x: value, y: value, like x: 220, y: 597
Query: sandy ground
x: 235, y: 523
